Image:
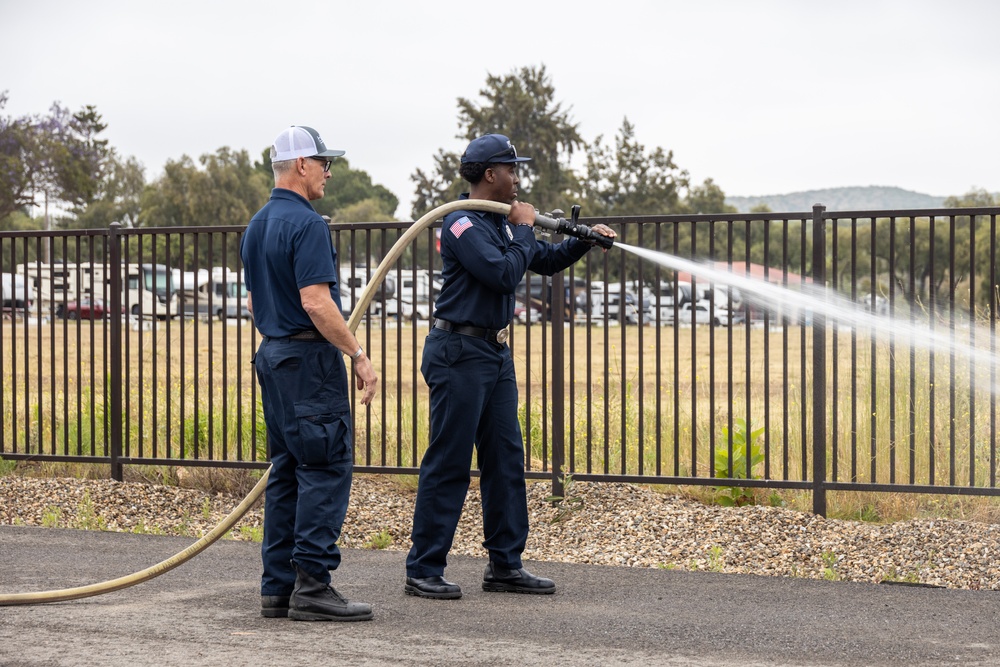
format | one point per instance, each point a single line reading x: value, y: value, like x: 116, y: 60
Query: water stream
x: 919, y: 334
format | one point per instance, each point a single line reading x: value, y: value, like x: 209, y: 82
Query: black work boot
x: 498, y: 579
x: 437, y: 588
x: 274, y: 606
x: 314, y: 601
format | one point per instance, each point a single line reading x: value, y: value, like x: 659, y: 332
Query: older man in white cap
x: 291, y: 273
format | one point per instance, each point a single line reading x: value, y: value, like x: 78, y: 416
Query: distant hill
x: 861, y: 198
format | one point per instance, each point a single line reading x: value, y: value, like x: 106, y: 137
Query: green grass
x: 380, y: 540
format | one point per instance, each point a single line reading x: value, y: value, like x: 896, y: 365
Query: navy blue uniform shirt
x: 286, y: 247
x: 483, y: 258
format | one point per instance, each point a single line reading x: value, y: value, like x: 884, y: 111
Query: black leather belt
x: 308, y: 334
x: 492, y: 335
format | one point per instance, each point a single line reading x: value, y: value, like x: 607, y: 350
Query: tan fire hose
x: 227, y: 524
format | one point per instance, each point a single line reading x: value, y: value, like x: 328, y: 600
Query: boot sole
x: 411, y: 590
x: 297, y: 615
x: 274, y: 613
x: 511, y: 588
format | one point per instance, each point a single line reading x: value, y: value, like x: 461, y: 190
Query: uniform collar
x: 496, y: 218
x: 290, y: 195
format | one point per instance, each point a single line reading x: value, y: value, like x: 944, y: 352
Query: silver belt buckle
x: 502, y: 336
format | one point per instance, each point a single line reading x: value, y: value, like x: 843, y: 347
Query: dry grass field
x: 639, y: 400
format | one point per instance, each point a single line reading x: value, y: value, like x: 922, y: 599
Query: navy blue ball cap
x: 491, y: 148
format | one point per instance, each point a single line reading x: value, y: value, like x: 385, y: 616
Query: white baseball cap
x: 300, y: 141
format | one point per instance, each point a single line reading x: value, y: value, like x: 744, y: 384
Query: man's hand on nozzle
x: 521, y: 214
x: 604, y: 230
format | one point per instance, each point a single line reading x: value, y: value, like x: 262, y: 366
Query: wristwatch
x: 356, y: 355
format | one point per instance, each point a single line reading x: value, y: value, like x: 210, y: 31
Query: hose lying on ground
x: 227, y: 524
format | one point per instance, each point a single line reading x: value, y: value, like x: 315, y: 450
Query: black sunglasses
x: 325, y: 161
x: 507, y: 152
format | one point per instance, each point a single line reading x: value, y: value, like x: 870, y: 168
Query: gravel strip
x: 612, y: 524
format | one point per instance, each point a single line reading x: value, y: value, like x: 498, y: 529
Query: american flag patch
x: 459, y: 226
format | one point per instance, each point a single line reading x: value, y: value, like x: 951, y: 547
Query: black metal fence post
x: 819, y: 364
x: 558, y: 385
x: 117, y: 321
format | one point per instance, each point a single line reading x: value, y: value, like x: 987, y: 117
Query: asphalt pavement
x: 206, y: 612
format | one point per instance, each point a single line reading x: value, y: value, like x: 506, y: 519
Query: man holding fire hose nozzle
x: 470, y: 372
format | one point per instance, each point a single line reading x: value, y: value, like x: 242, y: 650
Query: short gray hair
x: 281, y: 168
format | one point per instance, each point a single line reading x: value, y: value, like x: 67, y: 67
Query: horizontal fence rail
x: 816, y: 351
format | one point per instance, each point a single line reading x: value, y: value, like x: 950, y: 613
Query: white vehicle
x: 220, y: 293
x: 59, y: 283
x: 148, y: 290
x: 413, y: 294
x: 230, y: 298
x: 353, y: 281
x: 17, y: 295
x: 526, y: 315
x: 881, y: 304
x: 53, y: 283
x: 703, y: 313
x: 665, y: 297
x: 608, y: 305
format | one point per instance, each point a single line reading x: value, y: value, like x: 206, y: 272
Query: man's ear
x: 489, y: 175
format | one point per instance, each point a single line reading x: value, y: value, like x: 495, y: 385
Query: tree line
x: 60, y: 158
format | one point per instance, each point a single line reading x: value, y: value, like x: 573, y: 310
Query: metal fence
x: 132, y: 347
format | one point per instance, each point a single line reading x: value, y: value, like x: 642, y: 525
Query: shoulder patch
x: 459, y: 226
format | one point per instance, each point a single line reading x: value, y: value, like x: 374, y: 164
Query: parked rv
x: 18, y: 296
x: 53, y: 283
x: 354, y: 280
x: 148, y: 290
x: 219, y: 293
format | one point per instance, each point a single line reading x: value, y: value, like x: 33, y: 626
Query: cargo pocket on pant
x: 324, y: 437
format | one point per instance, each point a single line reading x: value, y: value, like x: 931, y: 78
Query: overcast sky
x: 764, y: 97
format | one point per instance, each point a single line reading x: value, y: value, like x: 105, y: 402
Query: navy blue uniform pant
x: 473, y: 393
x: 311, y: 458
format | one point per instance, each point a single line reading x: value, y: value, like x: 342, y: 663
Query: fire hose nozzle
x: 558, y: 224
x: 546, y: 221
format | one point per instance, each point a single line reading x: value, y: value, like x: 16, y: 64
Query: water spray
x: 557, y: 223
x: 822, y: 302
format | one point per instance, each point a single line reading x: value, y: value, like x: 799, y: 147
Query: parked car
x: 700, y: 313
x: 540, y: 297
x: 609, y: 310
x: 525, y: 315
x: 86, y: 308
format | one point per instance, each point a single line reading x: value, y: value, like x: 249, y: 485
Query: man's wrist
x: 357, y: 355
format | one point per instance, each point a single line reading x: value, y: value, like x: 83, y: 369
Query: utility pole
x: 48, y: 228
